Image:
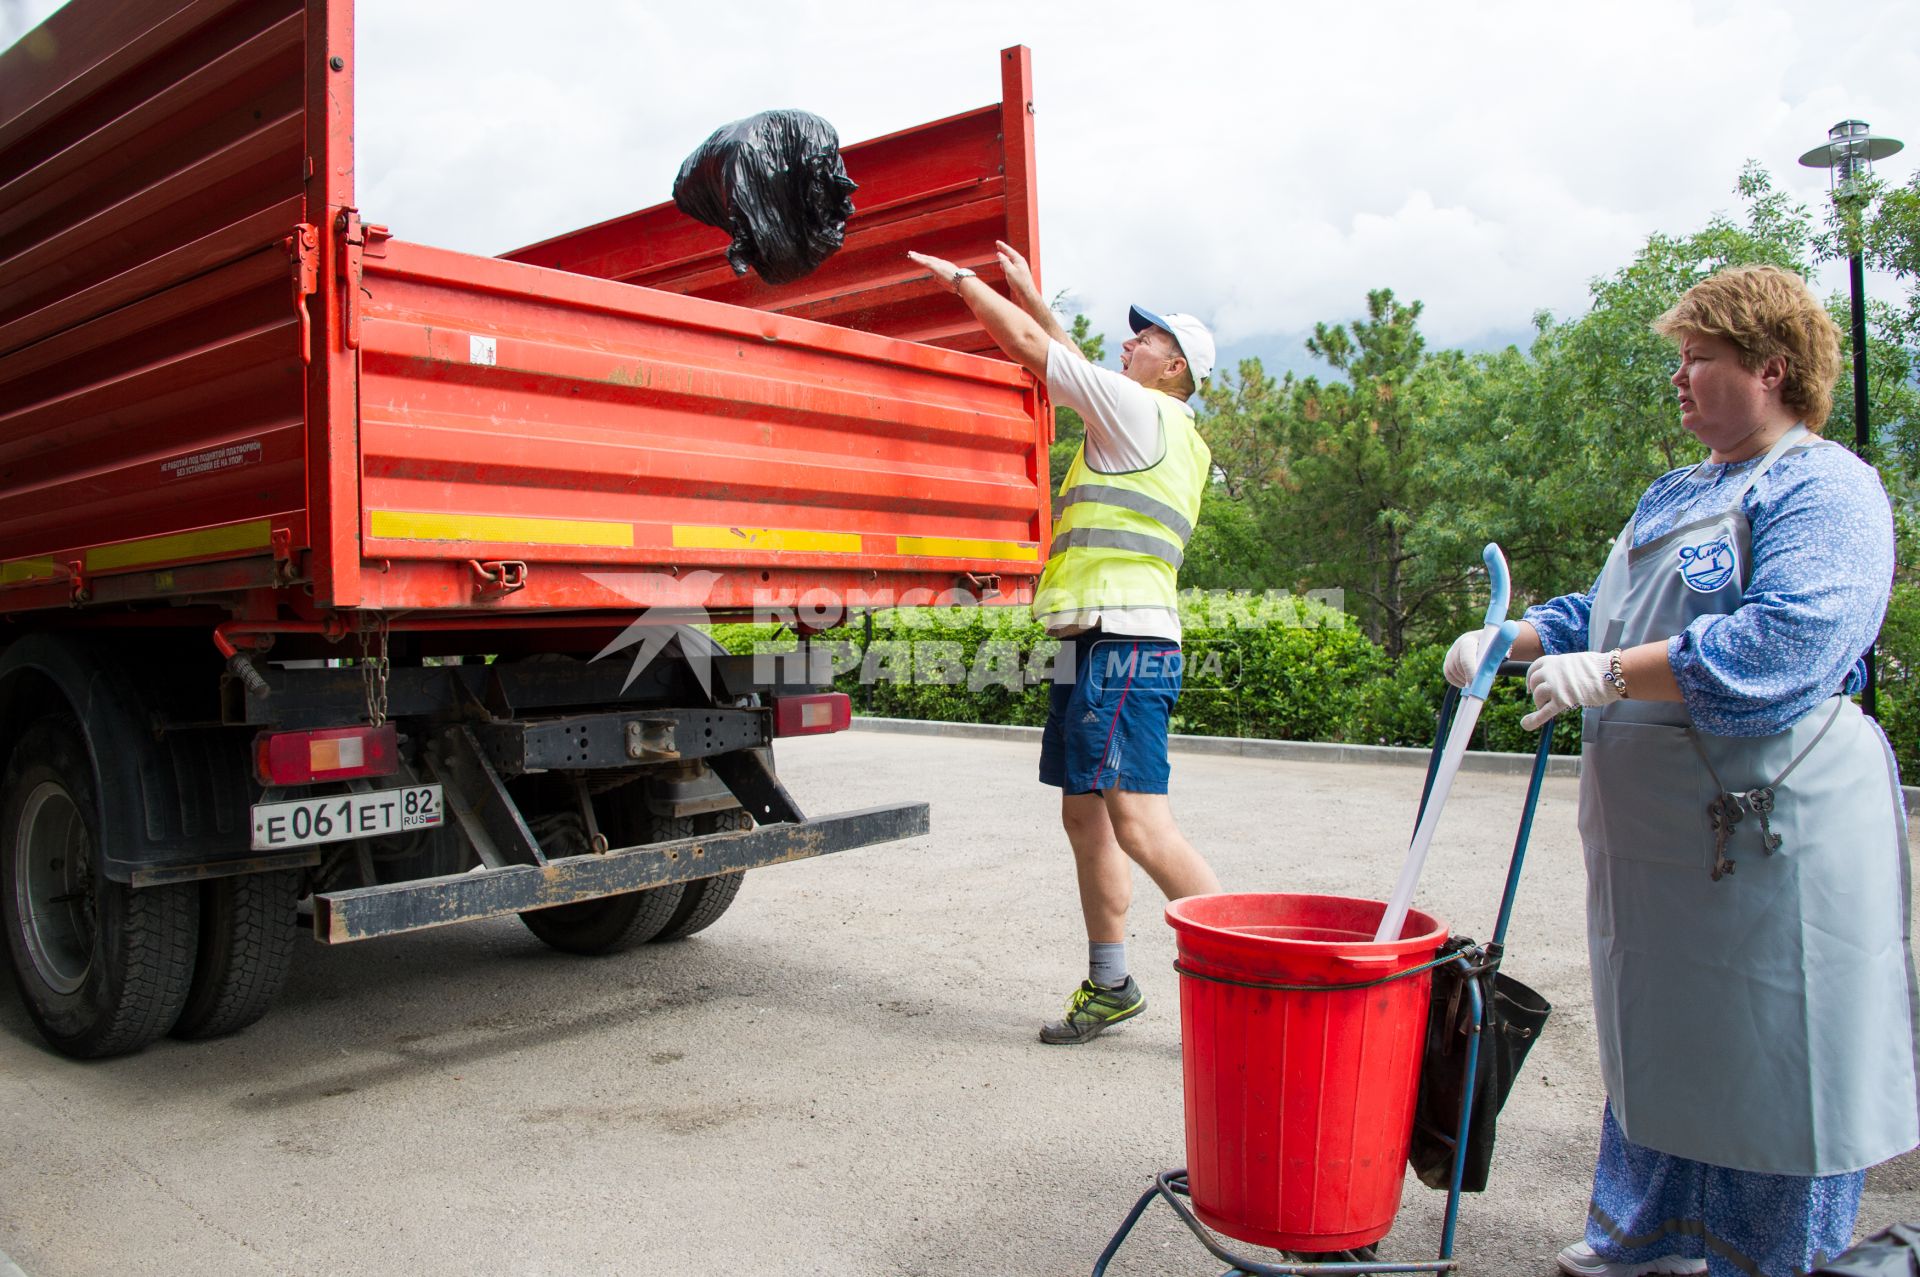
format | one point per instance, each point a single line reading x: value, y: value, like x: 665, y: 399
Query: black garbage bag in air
x: 1515, y: 1016
x: 774, y: 181
x: 1893, y: 1252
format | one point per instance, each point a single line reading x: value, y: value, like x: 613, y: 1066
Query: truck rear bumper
x: 365, y: 912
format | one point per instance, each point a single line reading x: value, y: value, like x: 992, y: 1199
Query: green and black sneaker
x: 1092, y: 1010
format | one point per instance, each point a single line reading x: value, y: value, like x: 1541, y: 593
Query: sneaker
x: 1092, y: 1010
x: 1578, y: 1260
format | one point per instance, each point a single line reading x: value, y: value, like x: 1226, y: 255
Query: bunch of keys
x: 1724, y: 813
x: 1760, y: 802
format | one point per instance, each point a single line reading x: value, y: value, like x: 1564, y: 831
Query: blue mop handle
x: 1492, y: 659
x: 1458, y: 737
x: 1502, y: 586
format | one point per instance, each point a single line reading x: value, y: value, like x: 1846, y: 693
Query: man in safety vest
x: 1121, y: 519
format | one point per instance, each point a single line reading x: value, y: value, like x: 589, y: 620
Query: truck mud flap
x: 362, y: 913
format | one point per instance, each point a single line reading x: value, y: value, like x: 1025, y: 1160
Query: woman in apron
x: 1744, y: 835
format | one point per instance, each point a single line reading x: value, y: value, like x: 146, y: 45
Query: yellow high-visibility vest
x: 1119, y: 539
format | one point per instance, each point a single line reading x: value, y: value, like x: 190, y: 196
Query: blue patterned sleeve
x: 1822, y: 571
x: 1562, y: 622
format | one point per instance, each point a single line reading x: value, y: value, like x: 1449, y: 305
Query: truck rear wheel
x: 613, y: 923
x: 606, y: 925
x: 247, y: 934
x: 103, y: 968
x: 705, y: 899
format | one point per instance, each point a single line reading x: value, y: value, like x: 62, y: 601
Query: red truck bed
x: 218, y: 383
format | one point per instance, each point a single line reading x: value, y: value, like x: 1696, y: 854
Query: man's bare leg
x: 1110, y: 833
x: 1109, y: 996
x: 1144, y: 827
x: 1106, y: 879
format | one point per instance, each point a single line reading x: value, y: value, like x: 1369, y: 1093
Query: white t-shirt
x: 1123, y: 434
x: 1122, y: 416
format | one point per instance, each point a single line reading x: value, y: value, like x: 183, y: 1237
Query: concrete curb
x: 1296, y: 751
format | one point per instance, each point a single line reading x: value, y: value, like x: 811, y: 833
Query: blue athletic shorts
x: 1107, y: 724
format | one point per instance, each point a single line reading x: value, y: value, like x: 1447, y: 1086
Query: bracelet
x: 1615, y: 675
x: 962, y: 273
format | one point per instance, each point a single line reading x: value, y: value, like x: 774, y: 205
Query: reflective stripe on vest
x: 1119, y: 537
x: 1126, y: 499
x: 1131, y: 542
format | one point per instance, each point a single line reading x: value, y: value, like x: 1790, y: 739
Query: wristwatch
x: 1615, y: 675
x: 960, y: 274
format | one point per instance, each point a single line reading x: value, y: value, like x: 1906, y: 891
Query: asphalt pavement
x: 841, y: 1077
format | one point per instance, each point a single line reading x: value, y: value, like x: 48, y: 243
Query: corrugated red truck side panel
x: 216, y: 379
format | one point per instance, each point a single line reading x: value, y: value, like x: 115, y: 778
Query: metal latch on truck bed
x: 303, y: 249
x: 497, y: 577
x: 983, y: 587
x: 358, y: 240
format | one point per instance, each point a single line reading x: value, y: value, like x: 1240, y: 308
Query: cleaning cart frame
x: 1475, y: 964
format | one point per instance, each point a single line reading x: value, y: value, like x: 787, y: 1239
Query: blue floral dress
x: 1823, y: 558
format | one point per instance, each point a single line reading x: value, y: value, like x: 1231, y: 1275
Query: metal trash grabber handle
x: 1441, y: 780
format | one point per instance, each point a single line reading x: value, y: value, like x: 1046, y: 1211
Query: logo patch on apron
x: 1709, y: 565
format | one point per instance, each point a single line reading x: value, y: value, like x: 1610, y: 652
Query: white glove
x: 1463, y: 658
x: 1570, y: 681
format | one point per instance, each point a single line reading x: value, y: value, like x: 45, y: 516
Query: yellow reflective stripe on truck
x: 22, y: 570
x: 965, y: 548
x: 416, y: 525
x: 256, y: 535
x: 791, y: 540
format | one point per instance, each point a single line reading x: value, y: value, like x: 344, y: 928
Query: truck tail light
x: 333, y: 753
x: 812, y: 715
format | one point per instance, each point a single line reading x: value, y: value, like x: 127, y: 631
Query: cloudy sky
x: 1260, y: 164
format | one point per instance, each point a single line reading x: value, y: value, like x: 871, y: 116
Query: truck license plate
x: 340, y: 816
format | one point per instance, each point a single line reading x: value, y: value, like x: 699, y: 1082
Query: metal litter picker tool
x: 1491, y: 657
x: 1318, y: 1062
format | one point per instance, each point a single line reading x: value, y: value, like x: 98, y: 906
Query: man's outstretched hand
x: 1024, y: 339
x: 1019, y: 274
x: 943, y: 270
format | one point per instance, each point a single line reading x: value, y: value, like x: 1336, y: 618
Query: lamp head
x: 1849, y: 153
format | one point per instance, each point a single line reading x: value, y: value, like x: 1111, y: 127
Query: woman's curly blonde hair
x: 1766, y: 311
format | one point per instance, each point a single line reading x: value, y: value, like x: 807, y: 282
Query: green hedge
x: 1271, y: 667
x: 1266, y: 667
x: 1898, y: 671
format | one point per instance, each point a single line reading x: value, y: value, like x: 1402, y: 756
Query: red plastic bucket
x: 1299, y: 1104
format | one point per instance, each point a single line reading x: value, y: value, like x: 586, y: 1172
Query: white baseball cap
x: 1195, y: 342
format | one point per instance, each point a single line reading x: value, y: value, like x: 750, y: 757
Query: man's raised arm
x: 1020, y: 284
x: 1012, y: 327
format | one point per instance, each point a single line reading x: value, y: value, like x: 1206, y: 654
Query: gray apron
x: 1747, y: 899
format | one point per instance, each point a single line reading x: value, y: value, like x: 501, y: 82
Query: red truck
x: 309, y: 534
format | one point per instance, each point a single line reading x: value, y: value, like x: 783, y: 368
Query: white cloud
x: 1261, y: 164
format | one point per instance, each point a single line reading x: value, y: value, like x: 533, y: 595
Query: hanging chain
x: 374, y: 667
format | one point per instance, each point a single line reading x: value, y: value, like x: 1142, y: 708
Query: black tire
x: 247, y: 934
x: 613, y: 923
x: 705, y: 899
x: 103, y: 969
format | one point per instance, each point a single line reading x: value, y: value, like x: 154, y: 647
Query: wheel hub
x: 53, y: 892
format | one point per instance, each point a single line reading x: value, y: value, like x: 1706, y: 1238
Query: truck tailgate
x: 612, y: 438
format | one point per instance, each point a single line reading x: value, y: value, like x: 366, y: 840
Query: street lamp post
x: 1848, y: 155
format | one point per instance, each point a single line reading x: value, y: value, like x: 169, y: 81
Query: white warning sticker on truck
x: 230, y: 457
x: 482, y: 350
